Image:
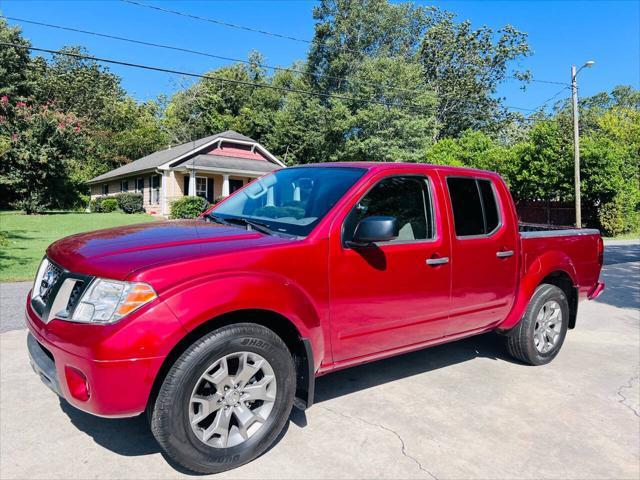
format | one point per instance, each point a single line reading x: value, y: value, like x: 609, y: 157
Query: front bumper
x: 43, y: 364
x: 115, y: 387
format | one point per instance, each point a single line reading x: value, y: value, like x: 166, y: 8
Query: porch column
x: 225, y: 185
x: 270, y: 197
x: 164, y: 194
x: 192, y: 182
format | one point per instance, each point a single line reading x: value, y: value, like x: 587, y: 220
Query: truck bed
x: 533, y: 230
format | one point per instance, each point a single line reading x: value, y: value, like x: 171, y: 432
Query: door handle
x: 504, y: 254
x: 437, y: 261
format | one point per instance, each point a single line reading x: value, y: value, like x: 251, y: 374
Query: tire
x: 174, y: 408
x: 524, y: 340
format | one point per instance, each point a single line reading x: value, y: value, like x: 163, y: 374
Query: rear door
x: 483, y: 252
x: 389, y: 296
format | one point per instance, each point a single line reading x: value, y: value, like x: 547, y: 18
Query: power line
x: 212, y: 77
x: 217, y: 22
x: 211, y: 55
x: 552, y: 97
x: 204, y: 54
x: 228, y: 80
x: 278, y: 35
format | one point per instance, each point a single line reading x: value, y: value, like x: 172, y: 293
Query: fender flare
x: 201, y: 300
x: 535, y: 270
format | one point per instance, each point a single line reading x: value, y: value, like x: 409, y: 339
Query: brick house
x: 211, y: 167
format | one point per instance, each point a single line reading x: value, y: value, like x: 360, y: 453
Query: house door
x: 235, y: 185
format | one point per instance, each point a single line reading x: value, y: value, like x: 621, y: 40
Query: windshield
x: 290, y: 201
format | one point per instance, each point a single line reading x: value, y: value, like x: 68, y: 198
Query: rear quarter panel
x: 576, y: 255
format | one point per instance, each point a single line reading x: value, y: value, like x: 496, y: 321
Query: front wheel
x: 226, y: 399
x: 538, y: 337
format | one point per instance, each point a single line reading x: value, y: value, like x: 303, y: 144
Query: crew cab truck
x: 217, y: 326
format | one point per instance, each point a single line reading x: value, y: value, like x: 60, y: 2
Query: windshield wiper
x: 217, y: 219
x: 250, y: 224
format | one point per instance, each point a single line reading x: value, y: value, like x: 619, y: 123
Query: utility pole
x: 576, y: 146
x: 576, y: 139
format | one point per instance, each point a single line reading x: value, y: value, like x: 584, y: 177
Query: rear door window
x: 489, y: 204
x: 475, y: 211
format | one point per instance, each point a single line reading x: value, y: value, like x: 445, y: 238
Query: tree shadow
x: 621, y: 275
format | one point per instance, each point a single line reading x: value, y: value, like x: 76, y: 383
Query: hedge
x: 188, y: 207
x: 108, y: 205
x: 130, y: 202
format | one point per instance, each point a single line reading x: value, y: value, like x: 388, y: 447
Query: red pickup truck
x: 217, y: 326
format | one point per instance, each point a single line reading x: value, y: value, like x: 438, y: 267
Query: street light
x: 576, y: 138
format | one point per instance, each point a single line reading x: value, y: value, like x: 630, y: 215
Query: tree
x: 210, y: 106
x: 78, y: 85
x: 15, y: 63
x: 464, y: 68
x: 349, y: 31
x: 35, y: 170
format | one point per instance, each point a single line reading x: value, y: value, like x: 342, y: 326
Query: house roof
x: 161, y: 157
x: 230, y: 163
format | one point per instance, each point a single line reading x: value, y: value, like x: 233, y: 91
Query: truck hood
x: 118, y: 252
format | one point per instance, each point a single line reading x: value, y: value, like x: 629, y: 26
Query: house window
x: 124, y: 185
x: 139, y: 184
x: 201, y: 187
x: 105, y: 189
x: 154, y: 191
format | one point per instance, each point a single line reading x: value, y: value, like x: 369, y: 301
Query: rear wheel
x: 538, y: 337
x: 226, y: 399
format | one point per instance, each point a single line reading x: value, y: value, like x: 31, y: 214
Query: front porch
x: 210, y: 184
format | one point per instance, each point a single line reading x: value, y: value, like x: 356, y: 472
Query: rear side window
x: 475, y: 211
x: 491, y: 216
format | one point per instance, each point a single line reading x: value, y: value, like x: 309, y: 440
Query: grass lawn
x: 24, y: 238
x: 625, y: 236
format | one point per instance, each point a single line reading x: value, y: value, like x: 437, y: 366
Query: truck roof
x: 381, y: 166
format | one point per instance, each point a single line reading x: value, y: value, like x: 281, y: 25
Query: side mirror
x: 374, y: 229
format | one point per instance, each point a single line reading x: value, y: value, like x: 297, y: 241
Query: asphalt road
x: 462, y: 410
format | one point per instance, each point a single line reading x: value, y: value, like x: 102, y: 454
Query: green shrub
x: 108, y: 205
x: 188, y: 207
x: 31, y: 204
x: 130, y: 202
x: 96, y: 204
x: 4, y: 239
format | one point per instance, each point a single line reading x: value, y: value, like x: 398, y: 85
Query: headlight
x: 107, y: 301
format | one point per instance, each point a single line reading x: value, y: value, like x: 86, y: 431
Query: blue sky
x: 560, y: 33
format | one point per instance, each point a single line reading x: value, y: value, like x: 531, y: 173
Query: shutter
x: 210, y: 190
x: 185, y: 184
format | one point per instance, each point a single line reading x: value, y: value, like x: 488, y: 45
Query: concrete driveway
x: 463, y: 410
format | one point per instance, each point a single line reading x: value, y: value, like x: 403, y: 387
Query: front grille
x: 76, y: 293
x: 57, y: 291
x: 50, y: 280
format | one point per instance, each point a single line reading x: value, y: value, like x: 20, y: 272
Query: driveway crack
x: 387, y: 429
x: 623, y: 399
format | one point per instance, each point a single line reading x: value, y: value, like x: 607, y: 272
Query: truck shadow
x: 621, y: 274
x: 419, y: 362
x: 132, y: 436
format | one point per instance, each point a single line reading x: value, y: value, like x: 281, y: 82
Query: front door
x: 392, y: 294
x: 235, y: 184
x: 484, y: 253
